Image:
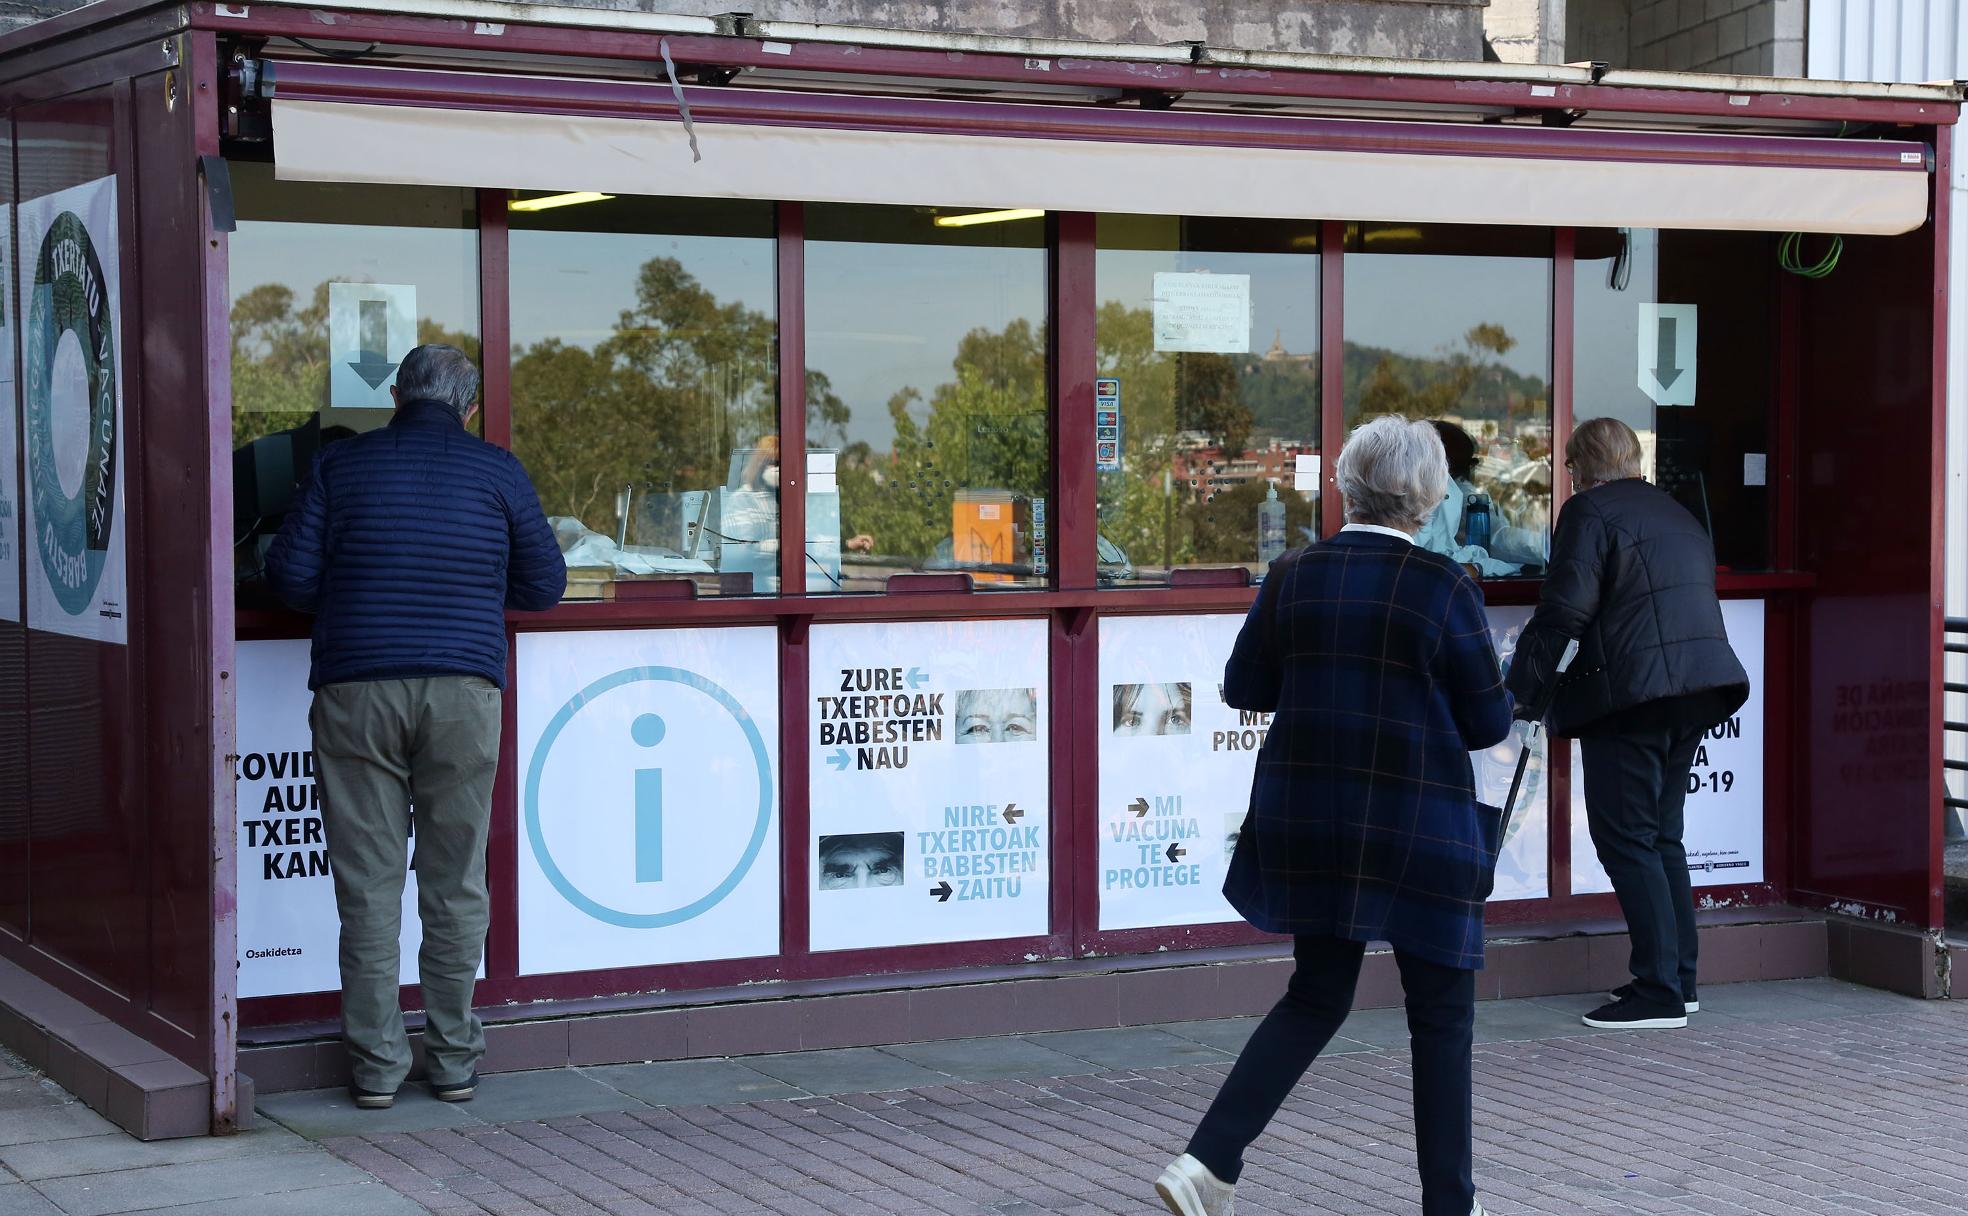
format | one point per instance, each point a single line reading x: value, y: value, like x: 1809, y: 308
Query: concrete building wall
x: 1418, y: 29
x: 1746, y: 37
x: 1527, y: 31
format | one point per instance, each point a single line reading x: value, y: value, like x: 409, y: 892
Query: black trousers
x: 1442, y: 1024
x: 1636, y: 785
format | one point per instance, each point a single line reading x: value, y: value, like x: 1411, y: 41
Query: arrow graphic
x: 372, y: 342
x: 1139, y: 806
x: 841, y: 759
x: 942, y: 891
x: 1176, y: 853
x: 1012, y: 814
x: 1666, y: 369
x: 916, y: 677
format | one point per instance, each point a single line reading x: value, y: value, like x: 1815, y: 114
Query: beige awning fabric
x: 344, y: 141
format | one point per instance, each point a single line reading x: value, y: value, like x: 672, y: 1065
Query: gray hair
x: 439, y: 372
x: 1393, y: 472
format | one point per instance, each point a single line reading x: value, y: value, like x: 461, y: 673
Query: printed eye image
x: 1233, y: 830
x: 861, y: 859
x: 1152, y: 709
x: 997, y: 715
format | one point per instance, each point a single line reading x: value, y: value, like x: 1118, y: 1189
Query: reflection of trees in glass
x: 280, y: 358
x: 1469, y: 382
x: 983, y: 430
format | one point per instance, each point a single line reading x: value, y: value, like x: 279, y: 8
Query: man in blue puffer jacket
x: 408, y: 545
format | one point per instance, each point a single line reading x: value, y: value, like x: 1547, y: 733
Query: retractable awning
x: 356, y: 123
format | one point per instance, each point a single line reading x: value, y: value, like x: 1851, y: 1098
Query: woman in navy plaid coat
x: 1375, y: 657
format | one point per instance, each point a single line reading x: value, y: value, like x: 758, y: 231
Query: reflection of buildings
x: 1204, y: 468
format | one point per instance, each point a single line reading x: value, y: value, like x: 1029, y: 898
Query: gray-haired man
x: 408, y: 545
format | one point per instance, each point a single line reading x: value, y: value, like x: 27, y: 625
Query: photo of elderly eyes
x: 1151, y: 709
x: 997, y: 715
x: 1233, y: 830
x: 861, y: 859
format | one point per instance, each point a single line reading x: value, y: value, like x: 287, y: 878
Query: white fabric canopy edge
x: 355, y: 142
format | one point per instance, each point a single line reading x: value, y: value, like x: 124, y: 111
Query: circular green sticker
x: 70, y: 296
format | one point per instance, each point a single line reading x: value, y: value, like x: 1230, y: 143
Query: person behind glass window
x: 862, y: 859
x: 1151, y: 709
x: 1374, y: 657
x: 1511, y: 548
x: 408, y: 545
x: 1633, y: 581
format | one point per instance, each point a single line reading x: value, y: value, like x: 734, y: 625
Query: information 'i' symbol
x: 648, y: 731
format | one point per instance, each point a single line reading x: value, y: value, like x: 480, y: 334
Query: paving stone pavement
x: 1806, y: 1097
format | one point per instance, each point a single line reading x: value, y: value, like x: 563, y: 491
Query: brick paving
x: 1818, y: 1099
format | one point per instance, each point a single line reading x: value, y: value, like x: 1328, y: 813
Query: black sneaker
x: 371, y: 1099
x: 1634, y: 1014
x: 461, y: 1091
x: 1688, y: 1001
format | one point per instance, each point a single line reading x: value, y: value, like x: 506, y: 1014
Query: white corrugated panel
x: 1907, y: 42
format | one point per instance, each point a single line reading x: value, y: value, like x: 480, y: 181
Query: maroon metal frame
x: 1119, y: 77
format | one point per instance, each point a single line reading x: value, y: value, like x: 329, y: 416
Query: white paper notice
x: 1305, y: 473
x: 1756, y: 468
x: 818, y: 463
x: 821, y: 483
x: 1202, y: 312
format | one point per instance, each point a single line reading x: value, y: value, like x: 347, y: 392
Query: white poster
x: 1723, y: 825
x: 1667, y: 353
x: 288, y: 927
x: 1176, y: 765
x: 71, y: 371
x: 1175, y: 769
x: 931, y: 782
x: 10, y: 503
x: 648, y: 797
x: 1202, y: 312
x: 371, y: 326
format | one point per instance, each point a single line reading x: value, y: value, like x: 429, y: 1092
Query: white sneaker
x: 1189, y: 1189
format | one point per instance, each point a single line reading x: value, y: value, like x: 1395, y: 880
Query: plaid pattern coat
x: 1375, y: 658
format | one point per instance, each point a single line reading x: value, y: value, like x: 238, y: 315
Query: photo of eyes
x: 997, y: 715
x: 861, y: 859
x: 1151, y: 709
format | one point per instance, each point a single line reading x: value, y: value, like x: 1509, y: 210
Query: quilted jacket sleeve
x: 1568, y: 603
x: 297, y: 561
x: 536, y: 575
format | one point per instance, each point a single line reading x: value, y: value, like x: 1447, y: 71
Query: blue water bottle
x: 1476, y: 521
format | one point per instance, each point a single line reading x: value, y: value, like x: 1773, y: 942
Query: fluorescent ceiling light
x: 551, y: 201
x: 987, y: 217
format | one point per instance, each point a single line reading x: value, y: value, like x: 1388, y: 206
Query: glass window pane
x: 296, y: 241
x: 1208, y: 334
x: 1453, y: 324
x: 927, y: 396
x: 645, y: 387
x: 1708, y: 442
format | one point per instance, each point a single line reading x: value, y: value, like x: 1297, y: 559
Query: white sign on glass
x: 1524, y: 863
x: 72, y: 409
x: 1723, y: 816
x: 371, y: 327
x: 1667, y: 353
x: 1202, y: 312
x: 930, y: 782
x: 289, y: 929
x: 648, y: 797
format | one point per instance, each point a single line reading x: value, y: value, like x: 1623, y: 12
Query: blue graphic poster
x: 648, y: 798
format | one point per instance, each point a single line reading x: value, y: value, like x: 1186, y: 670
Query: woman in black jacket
x: 1632, y: 578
